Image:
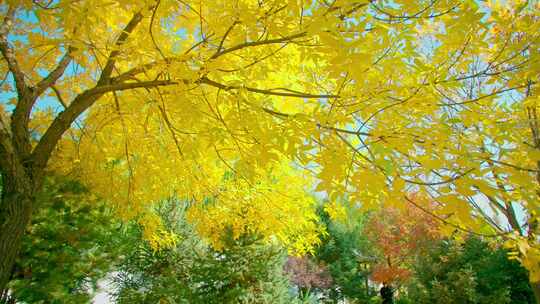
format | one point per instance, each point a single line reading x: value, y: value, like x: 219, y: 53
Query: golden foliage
x: 375, y: 99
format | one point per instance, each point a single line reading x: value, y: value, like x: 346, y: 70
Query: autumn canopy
x: 244, y: 107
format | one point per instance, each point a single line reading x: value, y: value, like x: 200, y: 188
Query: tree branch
x: 141, y: 69
x: 150, y: 29
x: 55, y: 74
x: 111, y: 61
x: 205, y: 80
x: 446, y: 181
x: 319, y: 125
x: 81, y: 103
x: 130, y: 85
x: 257, y: 43
x: 225, y: 36
x: 7, y: 51
x: 19, y: 118
x: 21, y: 114
x: 446, y: 222
x: 59, y: 96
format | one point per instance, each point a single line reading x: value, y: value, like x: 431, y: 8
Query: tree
x: 468, y: 272
x: 346, y: 251
x: 376, y: 99
x: 73, y: 242
x: 244, y: 270
x: 399, y: 237
x: 307, y: 275
x: 276, y: 209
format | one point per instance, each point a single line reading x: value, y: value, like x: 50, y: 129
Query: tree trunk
x: 536, y: 289
x: 15, y: 213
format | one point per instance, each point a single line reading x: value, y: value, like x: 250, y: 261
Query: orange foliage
x: 398, y: 236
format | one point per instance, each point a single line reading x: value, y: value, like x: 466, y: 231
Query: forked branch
x: 83, y: 101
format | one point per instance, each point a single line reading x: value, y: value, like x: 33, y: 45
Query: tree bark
x: 15, y: 212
